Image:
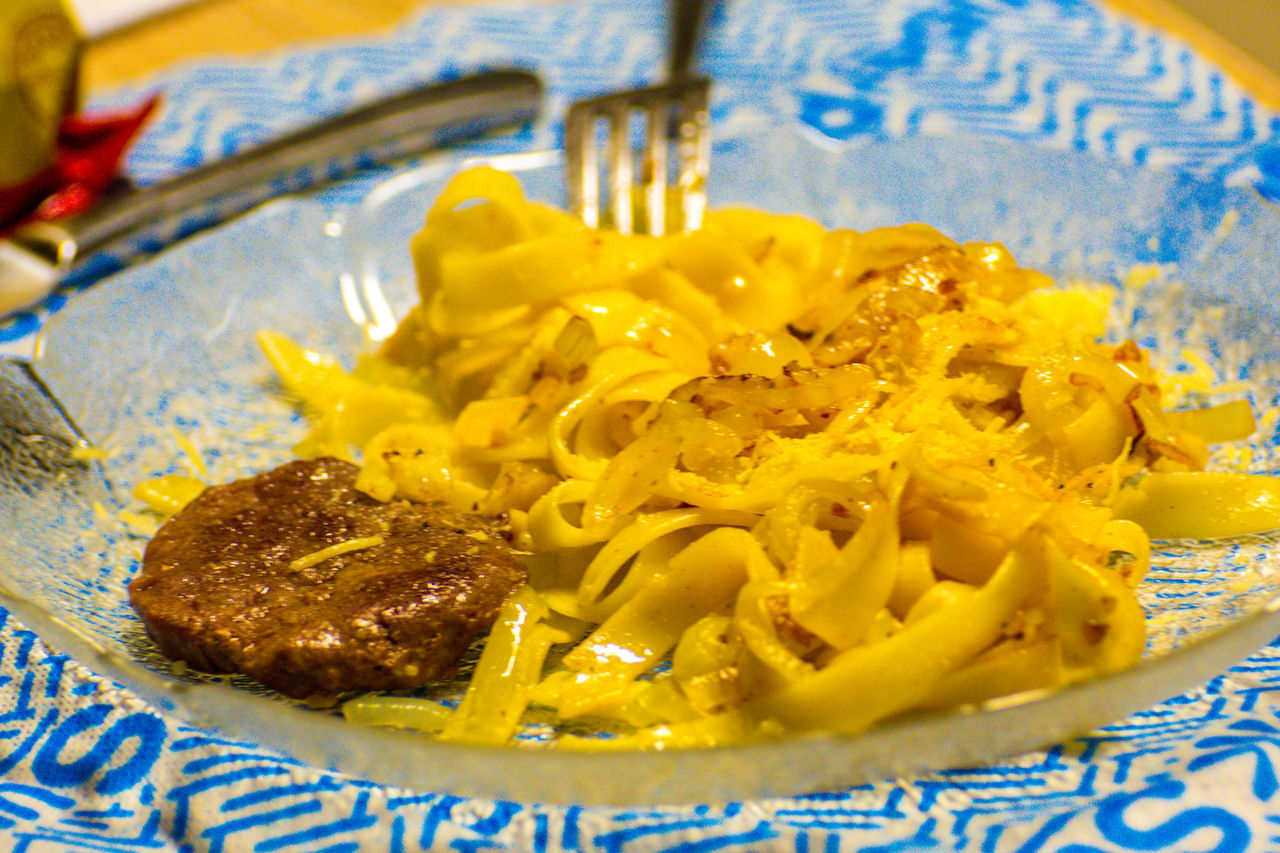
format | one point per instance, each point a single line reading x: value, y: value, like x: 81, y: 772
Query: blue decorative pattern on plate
x: 89, y: 765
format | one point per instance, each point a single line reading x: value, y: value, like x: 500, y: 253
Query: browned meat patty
x: 217, y: 589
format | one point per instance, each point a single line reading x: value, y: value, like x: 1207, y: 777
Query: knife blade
x: 37, y: 256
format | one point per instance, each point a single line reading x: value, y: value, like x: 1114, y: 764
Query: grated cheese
x: 316, y: 557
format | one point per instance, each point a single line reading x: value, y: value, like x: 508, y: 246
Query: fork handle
x: 687, y: 18
x: 415, y: 121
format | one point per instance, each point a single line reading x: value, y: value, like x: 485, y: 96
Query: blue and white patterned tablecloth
x: 85, y: 766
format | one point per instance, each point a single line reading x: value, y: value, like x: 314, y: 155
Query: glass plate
x: 160, y: 363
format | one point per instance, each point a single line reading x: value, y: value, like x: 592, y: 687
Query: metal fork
x: 639, y: 203
x: 673, y: 114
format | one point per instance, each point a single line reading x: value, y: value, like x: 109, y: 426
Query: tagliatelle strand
x: 506, y: 673
x: 602, y: 591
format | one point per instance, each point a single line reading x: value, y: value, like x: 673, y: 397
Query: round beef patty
x: 225, y: 585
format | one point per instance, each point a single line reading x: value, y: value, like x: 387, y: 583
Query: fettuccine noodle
x: 769, y: 477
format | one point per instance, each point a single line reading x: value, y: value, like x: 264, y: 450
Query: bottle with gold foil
x: 39, y: 65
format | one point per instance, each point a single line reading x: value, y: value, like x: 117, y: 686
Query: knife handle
x: 412, y: 122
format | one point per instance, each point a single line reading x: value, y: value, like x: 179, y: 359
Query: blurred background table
x: 207, y: 28
x: 1242, y: 36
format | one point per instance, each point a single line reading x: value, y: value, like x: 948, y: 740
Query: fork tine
x: 618, y: 160
x: 653, y: 176
x: 582, y: 166
x: 695, y: 153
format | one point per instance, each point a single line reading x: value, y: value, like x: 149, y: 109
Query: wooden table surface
x: 208, y: 28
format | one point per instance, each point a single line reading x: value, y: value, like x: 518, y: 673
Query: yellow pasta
x: 771, y: 477
x: 506, y: 674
